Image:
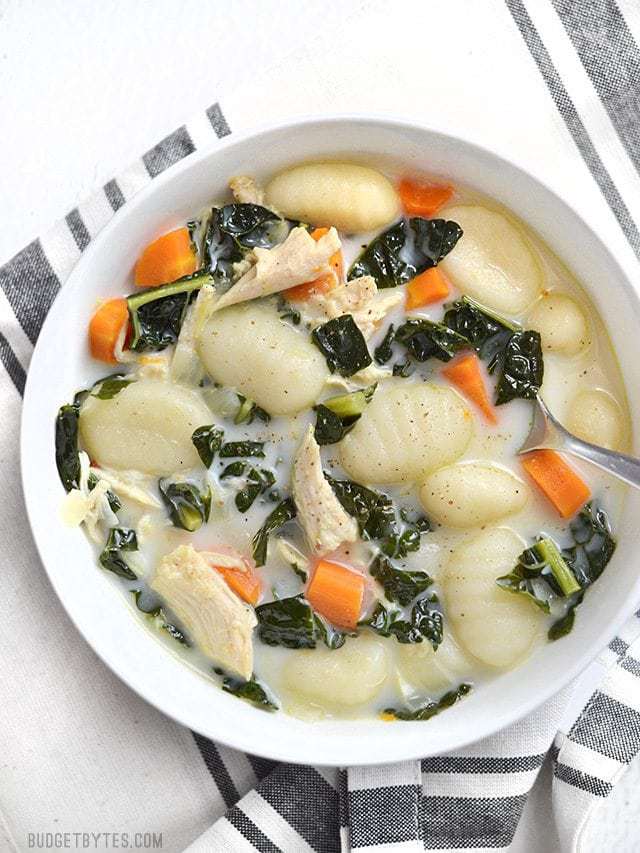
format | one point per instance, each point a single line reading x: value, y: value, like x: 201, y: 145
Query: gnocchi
x: 146, y: 427
x: 472, y: 494
x: 493, y: 262
x: 561, y: 323
x: 595, y: 416
x: 424, y: 669
x: 352, y: 198
x: 494, y: 626
x: 348, y: 676
x: 250, y: 349
x: 406, y: 432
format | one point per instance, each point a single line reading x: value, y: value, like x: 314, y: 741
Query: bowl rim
x: 317, y: 754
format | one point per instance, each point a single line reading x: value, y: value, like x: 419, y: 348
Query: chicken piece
x: 89, y: 506
x: 299, y: 259
x: 134, y: 485
x: 324, y: 521
x: 216, y: 619
x: 246, y: 190
x: 360, y: 298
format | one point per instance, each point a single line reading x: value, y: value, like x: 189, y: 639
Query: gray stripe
x: 254, y: 836
x: 78, y: 229
x: 216, y: 767
x: 574, y: 123
x: 386, y: 815
x: 30, y: 285
x: 481, y: 764
x: 470, y: 821
x: 172, y: 149
x: 12, y: 365
x: 307, y: 802
x: 343, y: 795
x: 618, y: 646
x: 218, y: 121
x: 114, y: 194
x: 610, y: 57
x: 582, y: 780
x: 609, y: 727
x: 631, y: 665
x: 261, y: 766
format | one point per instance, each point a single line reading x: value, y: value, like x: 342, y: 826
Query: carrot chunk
x: 466, y: 374
x: 423, y: 199
x: 245, y: 583
x: 336, y: 592
x: 322, y: 284
x: 104, y: 328
x: 166, y: 259
x: 430, y: 286
x: 557, y: 481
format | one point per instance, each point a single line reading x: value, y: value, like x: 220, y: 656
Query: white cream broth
x: 382, y: 677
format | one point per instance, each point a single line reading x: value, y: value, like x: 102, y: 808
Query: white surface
x: 86, y: 87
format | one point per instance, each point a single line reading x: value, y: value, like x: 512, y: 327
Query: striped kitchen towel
x: 81, y: 752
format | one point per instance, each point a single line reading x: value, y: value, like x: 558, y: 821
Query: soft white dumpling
x: 249, y: 348
x: 596, y: 417
x: 406, y: 431
x: 351, y: 675
x: 146, y: 427
x: 426, y: 670
x: 561, y: 323
x: 351, y: 198
x: 471, y: 494
x: 492, y: 261
x: 493, y: 625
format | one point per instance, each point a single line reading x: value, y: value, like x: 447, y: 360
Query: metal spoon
x: 548, y: 434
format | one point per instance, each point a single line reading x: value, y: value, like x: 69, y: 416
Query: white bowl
x: 61, y: 364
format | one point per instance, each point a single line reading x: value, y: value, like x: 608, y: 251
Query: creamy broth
x: 370, y: 672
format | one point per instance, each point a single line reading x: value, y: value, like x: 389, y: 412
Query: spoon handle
x: 624, y: 467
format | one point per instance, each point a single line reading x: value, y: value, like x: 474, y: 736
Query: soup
x: 303, y: 468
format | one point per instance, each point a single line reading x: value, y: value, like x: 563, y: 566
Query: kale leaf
x: 113, y: 500
x: 157, y: 313
x: 251, y: 691
x: 425, y: 622
x: 548, y: 576
x: 248, y: 411
x: 188, y: 507
x: 372, y: 510
x: 343, y: 345
x: 384, y: 352
x: 120, y: 539
x: 425, y: 339
x: 66, y: 440
x: 400, y: 585
x: 330, y: 636
x: 252, y: 225
x: 405, y: 250
x: 109, y: 387
x: 522, y: 368
x: 242, y: 448
x: 403, y: 369
x: 287, y: 622
x: 258, y: 481
x: 425, y: 712
x: 207, y: 441
x: 337, y: 415
x: 284, y: 512
x: 487, y: 333
x: 594, y: 545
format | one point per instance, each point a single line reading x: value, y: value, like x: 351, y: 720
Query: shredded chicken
x: 89, y: 506
x: 186, y: 367
x: 134, y: 485
x: 324, y: 521
x: 246, y: 190
x: 220, y: 624
x: 299, y: 259
x: 360, y: 298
